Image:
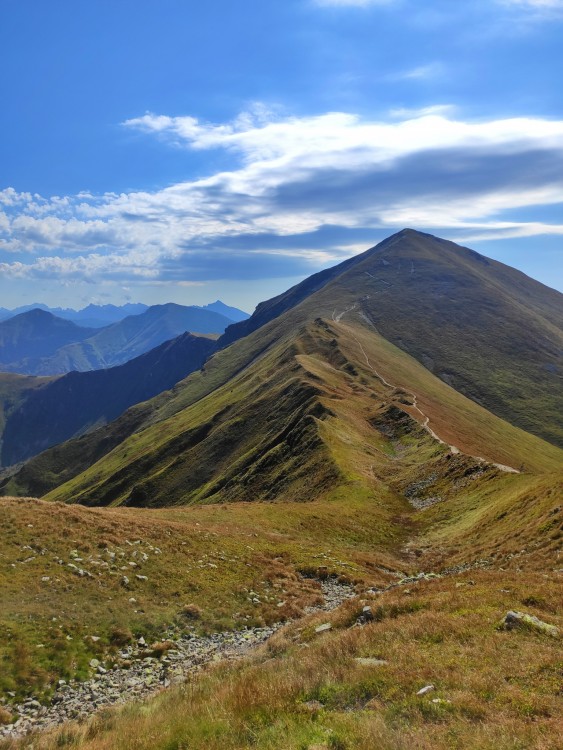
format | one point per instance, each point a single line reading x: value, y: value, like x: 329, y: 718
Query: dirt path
x: 425, y: 419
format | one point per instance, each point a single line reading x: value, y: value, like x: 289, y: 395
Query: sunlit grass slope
x: 279, y: 428
x: 516, y: 521
x: 210, y: 556
x: 492, y: 690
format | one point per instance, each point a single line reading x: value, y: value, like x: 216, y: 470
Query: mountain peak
x: 37, y: 313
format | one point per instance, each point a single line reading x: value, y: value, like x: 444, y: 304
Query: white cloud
x: 4, y: 223
x: 345, y: 137
x: 292, y: 177
x: 55, y: 232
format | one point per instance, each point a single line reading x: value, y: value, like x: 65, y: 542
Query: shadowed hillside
x: 79, y: 401
x: 37, y: 333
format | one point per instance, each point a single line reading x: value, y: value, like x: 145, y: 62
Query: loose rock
x: 513, y: 620
x: 426, y: 689
x: 139, y: 676
x: 370, y: 662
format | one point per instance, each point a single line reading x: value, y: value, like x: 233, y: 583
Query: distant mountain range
x: 37, y: 342
x: 92, y: 316
x: 98, y: 316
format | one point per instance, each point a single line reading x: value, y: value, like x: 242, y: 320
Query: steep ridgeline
x: 41, y: 412
x: 486, y: 329
x: 270, y: 410
x: 110, y: 346
x: 327, y: 409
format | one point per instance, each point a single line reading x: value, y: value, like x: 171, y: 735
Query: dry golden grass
x: 200, y: 563
x: 493, y: 689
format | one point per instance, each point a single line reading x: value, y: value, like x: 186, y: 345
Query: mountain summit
x: 484, y: 328
x: 417, y: 336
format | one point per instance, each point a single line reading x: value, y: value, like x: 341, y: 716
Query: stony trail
x: 148, y: 675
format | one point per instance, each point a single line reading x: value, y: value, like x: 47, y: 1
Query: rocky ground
x: 142, y: 675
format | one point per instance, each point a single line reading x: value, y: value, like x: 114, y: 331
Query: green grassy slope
x: 485, y: 328
x: 272, y: 431
x: 518, y: 520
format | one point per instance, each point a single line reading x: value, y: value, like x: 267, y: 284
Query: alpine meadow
x: 332, y: 523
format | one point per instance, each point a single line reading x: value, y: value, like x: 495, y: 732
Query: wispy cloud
x: 537, y: 9
x: 419, y: 73
x: 301, y: 192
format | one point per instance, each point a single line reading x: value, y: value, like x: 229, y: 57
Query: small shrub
x: 120, y: 636
x: 192, y: 612
x: 539, y: 603
x: 159, y: 648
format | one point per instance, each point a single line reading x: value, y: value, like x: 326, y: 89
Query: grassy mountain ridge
x: 204, y: 408
x: 486, y: 329
x: 230, y: 444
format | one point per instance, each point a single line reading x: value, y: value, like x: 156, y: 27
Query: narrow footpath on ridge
x: 337, y: 317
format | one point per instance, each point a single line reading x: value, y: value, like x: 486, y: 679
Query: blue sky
x: 172, y: 150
